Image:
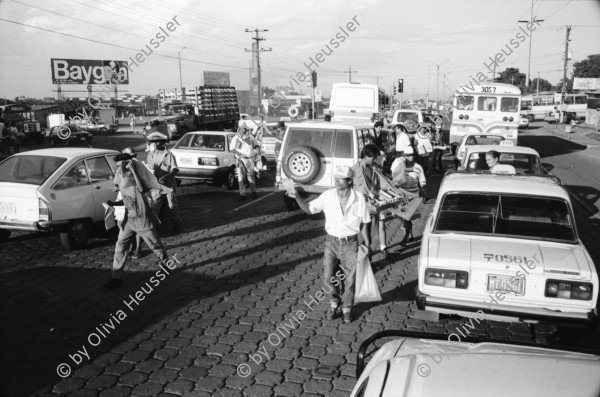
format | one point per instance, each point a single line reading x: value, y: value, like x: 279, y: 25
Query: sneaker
x: 254, y: 195
x: 242, y: 197
x: 113, y: 283
x: 347, y: 317
x: 332, y: 312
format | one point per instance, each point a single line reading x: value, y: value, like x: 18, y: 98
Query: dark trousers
x: 436, y: 160
x: 124, y: 241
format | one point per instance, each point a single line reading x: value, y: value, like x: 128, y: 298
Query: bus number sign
x: 488, y: 90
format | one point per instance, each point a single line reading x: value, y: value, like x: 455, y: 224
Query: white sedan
x: 56, y: 190
x: 426, y: 364
x: 506, y: 247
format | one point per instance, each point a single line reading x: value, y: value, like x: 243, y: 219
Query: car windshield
x: 32, y: 170
x: 202, y: 142
x: 483, y: 140
x: 402, y: 117
x: 506, y: 215
x: 523, y: 163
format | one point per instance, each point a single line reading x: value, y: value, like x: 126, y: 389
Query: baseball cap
x: 343, y: 172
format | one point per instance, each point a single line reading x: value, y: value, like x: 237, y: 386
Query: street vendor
x: 366, y: 180
x: 408, y: 175
x: 162, y: 163
x: 243, y: 147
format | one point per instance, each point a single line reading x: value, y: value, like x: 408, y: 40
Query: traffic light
x: 394, y: 90
x: 400, y: 85
x: 314, y: 78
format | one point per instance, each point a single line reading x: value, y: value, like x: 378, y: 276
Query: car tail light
x: 568, y: 290
x: 504, y: 118
x: 44, y: 210
x: 447, y: 278
x: 208, y: 161
x: 510, y: 119
x: 460, y: 116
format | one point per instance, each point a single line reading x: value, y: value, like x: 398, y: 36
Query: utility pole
x: 532, y: 20
x: 537, y: 90
x: 564, y: 84
x: 180, y: 80
x: 257, y: 51
x: 350, y: 74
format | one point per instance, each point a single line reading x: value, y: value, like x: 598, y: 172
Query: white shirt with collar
x: 402, y: 141
x: 338, y: 223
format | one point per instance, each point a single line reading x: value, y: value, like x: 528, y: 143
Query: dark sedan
x: 69, y: 135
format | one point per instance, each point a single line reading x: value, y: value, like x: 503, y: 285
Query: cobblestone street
x: 240, y: 314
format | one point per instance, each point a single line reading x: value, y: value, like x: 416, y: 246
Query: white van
x: 354, y: 103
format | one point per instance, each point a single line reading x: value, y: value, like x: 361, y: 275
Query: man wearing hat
x: 162, y: 162
x: 345, y: 211
x: 139, y: 218
x: 243, y: 147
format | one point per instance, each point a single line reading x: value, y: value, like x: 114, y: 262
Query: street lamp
x: 180, y: 80
x: 437, y: 82
x: 532, y: 21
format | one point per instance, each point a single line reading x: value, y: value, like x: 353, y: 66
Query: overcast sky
x: 392, y: 39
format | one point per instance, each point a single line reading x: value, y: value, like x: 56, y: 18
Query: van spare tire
x: 301, y: 164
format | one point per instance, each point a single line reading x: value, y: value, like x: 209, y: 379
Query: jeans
x: 339, y: 262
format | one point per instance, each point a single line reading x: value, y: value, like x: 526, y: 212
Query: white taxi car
x: 206, y: 156
x: 56, y: 190
x: 524, y: 159
x: 429, y: 365
x: 506, y: 246
x: 475, y: 139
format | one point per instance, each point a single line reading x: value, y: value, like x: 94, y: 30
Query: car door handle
x: 98, y: 187
x: 326, y: 162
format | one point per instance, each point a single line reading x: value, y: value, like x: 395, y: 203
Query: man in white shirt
x: 402, y: 138
x: 345, y: 211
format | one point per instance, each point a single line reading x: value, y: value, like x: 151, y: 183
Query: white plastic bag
x: 366, y: 289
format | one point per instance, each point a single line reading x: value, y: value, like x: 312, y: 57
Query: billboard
x: 580, y: 83
x: 220, y: 79
x: 89, y: 71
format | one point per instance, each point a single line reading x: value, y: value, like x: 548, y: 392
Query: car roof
x: 531, y: 185
x: 328, y: 125
x: 210, y: 132
x: 68, y: 152
x: 503, y: 149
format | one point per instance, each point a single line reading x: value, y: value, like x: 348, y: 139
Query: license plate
x: 8, y: 208
x: 515, y: 285
x: 186, y: 160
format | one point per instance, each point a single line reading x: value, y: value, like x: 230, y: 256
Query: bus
x: 538, y: 107
x: 490, y: 108
x: 22, y: 115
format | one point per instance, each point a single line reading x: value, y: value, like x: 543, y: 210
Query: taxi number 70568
x: 508, y: 259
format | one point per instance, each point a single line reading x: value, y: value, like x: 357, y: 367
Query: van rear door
x: 354, y: 103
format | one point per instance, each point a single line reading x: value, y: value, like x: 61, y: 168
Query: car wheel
x: 77, y: 234
x: 231, y: 179
x: 301, y: 164
x: 4, y: 235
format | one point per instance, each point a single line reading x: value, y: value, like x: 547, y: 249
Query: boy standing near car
x: 161, y: 161
x: 345, y: 210
x: 139, y: 218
